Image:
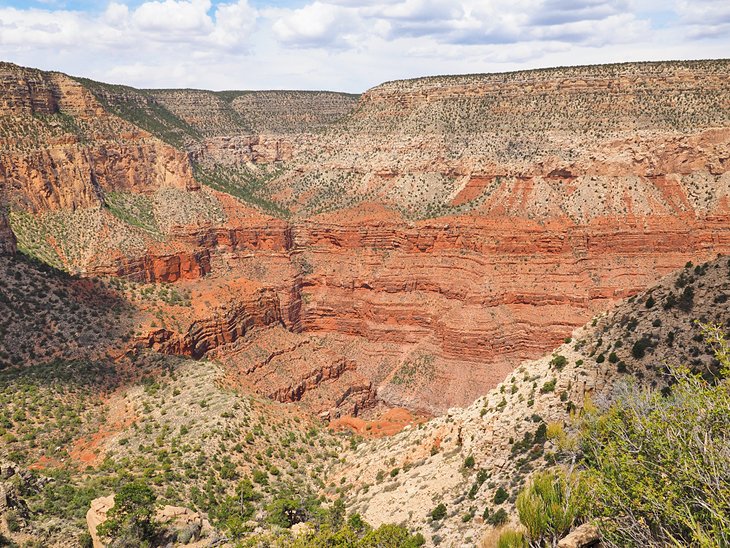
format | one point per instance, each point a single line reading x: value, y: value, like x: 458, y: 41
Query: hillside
x: 84, y: 403
x: 581, y: 143
x: 503, y: 433
x: 103, y: 411
x: 182, y: 116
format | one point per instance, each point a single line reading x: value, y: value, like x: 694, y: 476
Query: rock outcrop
x: 217, y: 327
x: 176, y: 522
x: 485, y: 293
x: 62, y: 150
x: 155, y: 268
x: 584, y: 536
x: 8, y: 242
x: 96, y: 515
x: 325, y: 376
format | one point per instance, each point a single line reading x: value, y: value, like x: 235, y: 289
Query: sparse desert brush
x: 682, y: 458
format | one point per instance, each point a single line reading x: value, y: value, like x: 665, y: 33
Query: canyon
x: 404, y: 248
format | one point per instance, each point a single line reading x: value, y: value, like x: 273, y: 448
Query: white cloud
x: 316, y: 25
x: 116, y: 14
x: 170, y: 17
x: 468, y: 22
x: 704, y: 12
x: 705, y: 19
x: 234, y: 24
x: 188, y: 23
x: 352, y: 44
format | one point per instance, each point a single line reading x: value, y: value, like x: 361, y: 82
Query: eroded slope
x: 405, y: 477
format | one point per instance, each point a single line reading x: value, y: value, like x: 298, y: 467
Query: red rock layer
x: 476, y: 294
x: 566, y: 214
x: 290, y: 367
x: 221, y: 326
x: 155, y: 268
x: 484, y: 293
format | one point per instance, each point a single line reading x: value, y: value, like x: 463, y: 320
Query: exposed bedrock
x: 548, y: 195
x: 485, y: 294
x: 475, y: 295
x: 222, y: 325
x: 155, y: 268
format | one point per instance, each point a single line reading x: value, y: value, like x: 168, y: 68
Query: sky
x: 346, y: 45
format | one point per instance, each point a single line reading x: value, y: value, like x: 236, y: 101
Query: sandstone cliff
x: 62, y: 150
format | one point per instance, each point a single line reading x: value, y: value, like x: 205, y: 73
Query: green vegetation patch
x: 243, y: 184
x: 141, y: 109
x: 133, y: 209
x: 419, y: 369
x: 43, y: 408
x: 32, y: 235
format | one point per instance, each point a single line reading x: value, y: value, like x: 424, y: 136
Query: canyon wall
x: 482, y: 294
x: 441, y: 232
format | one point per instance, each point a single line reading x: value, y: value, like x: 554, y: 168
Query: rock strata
x: 446, y: 228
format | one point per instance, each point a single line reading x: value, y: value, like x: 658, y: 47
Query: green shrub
x: 12, y: 521
x: 559, y: 361
x: 469, y: 462
x: 500, y: 517
x: 550, y: 504
x: 500, y: 495
x: 549, y: 386
x: 132, y: 516
x: 512, y: 539
x: 285, y: 512
x: 638, y: 351
x: 686, y: 299
x: 355, y: 522
x: 660, y: 461
x: 439, y: 512
x: 260, y: 476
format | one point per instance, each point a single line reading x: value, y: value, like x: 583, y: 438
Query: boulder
x: 97, y: 515
x: 584, y: 536
x: 299, y: 529
x: 181, y: 524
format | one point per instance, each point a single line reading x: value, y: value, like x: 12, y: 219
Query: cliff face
x: 441, y: 145
x: 256, y: 112
x: 221, y: 326
x: 479, y: 295
x: 61, y: 150
x: 441, y: 232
